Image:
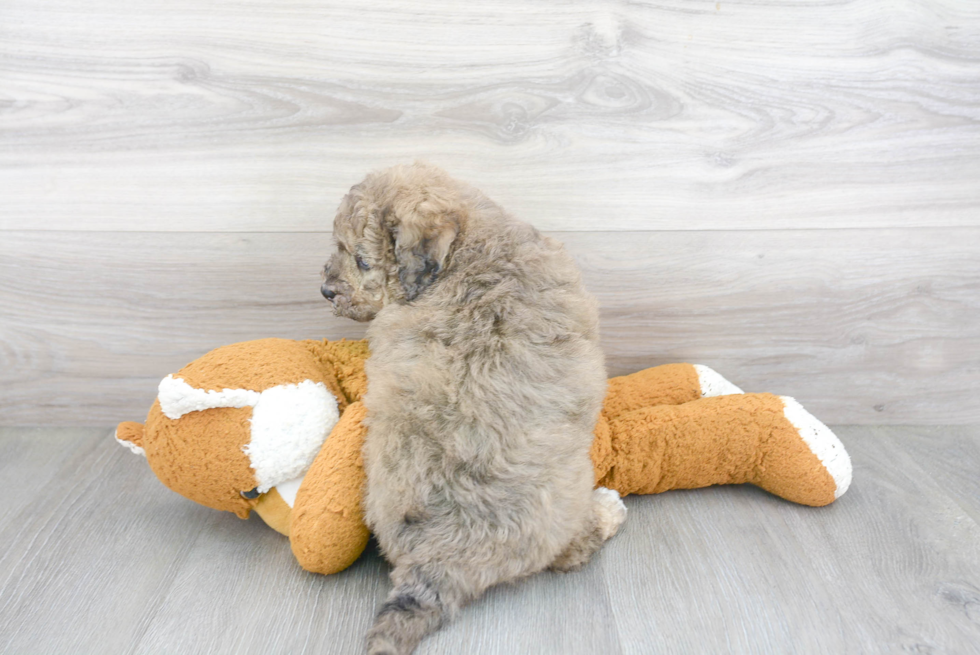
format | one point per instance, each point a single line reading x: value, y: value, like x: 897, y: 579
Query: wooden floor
x: 96, y: 556
x: 786, y: 191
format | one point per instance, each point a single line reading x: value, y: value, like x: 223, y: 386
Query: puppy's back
x: 483, y: 395
x: 508, y: 334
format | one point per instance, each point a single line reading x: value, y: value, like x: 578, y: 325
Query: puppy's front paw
x: 610, y: 511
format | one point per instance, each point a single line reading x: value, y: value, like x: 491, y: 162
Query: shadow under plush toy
x: 276, y: 426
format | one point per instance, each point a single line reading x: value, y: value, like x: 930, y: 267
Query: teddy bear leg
x: 732, y: 439
x: 669, y: 384
x: 696, y: 444
x: 803, y: 460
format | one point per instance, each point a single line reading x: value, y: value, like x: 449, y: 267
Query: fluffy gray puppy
x: 485, y: 383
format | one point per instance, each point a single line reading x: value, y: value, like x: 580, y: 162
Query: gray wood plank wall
x: 786, y: 191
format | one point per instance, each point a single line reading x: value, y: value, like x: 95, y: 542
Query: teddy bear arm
x: 601, y: 452
x: 345, y: 362
x: 327, y: 530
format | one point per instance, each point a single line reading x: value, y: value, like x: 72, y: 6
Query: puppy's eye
x: 361, y: 264
x: 254, y: 493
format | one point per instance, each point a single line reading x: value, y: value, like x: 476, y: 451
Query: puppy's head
x: 395, y: 233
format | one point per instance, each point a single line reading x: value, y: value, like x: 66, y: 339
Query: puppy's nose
x: 327, y: 292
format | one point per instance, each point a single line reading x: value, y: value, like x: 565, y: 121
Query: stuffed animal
x: 276, y: 426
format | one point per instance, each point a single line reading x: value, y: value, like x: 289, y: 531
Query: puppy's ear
x: 423, y: 237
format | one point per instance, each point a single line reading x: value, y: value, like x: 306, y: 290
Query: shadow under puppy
x: 485, y: 383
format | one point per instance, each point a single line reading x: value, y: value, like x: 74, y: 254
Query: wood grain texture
x: 862, y: 326
x: 257, y: 116
x: 950, y: 454
x: 890, y: 567
x: 102, y: 558
x: 93, y: 321
x: 29, y: 458
x: 107, y: 560
x: 96, y: 530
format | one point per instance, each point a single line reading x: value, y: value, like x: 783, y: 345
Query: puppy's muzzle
x: 327, y: 292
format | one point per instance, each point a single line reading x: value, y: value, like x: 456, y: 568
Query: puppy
x: 485, y: 383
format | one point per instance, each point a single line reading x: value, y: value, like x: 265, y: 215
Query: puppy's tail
x: 413, y: 609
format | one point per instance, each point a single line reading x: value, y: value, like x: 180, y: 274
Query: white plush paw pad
x: 610, y: 510
x: 712, y: 384
x: 822, y: 442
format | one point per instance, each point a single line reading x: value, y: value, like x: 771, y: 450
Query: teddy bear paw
x: 713, y: 384
x: 822, y: 442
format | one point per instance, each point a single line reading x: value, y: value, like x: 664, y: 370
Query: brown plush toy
x: 276, y: 426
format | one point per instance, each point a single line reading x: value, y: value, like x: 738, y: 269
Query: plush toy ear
x: 423, y: 236
x: 130, y: 435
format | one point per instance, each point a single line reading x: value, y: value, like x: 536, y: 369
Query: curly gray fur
x: 485, y: 383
